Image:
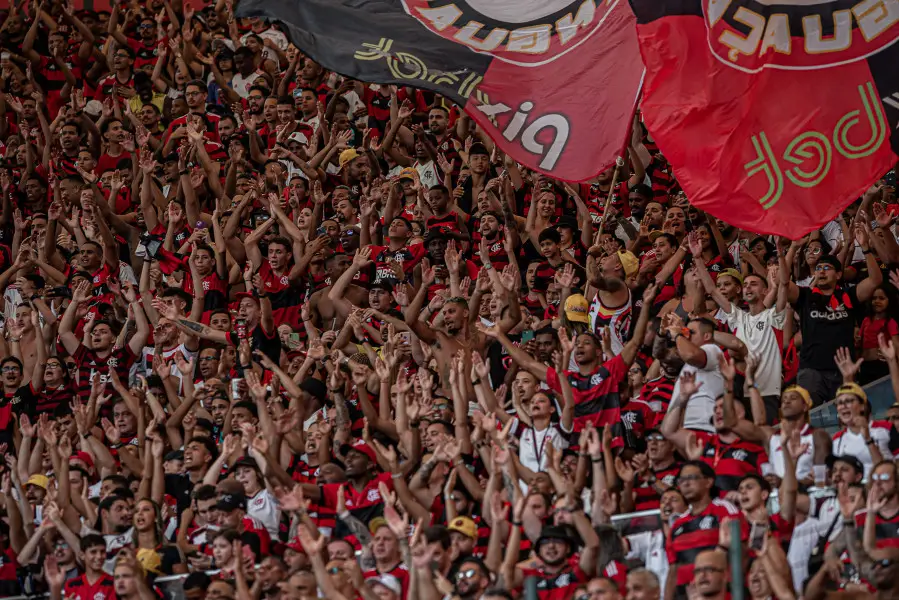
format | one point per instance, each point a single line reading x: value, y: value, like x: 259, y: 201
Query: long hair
x: 611, y: 548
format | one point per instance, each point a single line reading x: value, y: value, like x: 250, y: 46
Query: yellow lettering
x: 441, y: 17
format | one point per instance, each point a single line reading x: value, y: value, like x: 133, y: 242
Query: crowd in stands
x: 291, y: 335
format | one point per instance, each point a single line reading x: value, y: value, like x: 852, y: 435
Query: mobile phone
x: 757, y: 536
x: 293, y: 341
x: 241, y: 327
x: 527, y: 336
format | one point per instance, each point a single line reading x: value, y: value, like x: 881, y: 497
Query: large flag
x: 553, y: 82
x: 775, y: 114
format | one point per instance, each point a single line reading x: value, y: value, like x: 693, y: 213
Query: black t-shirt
x: 179, y: 487
x: 827, y: 322
x: 270, y: 345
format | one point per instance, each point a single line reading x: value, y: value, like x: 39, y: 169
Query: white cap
x: 298, y: 136
x: 390, y: 582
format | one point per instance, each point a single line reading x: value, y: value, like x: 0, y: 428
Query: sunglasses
x: 467, y: 574
x: 881, y: 477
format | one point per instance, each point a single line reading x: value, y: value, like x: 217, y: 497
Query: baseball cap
x: 802, y: 392
x: 229, y: 502
x: 465, y: 526
x: 83, y: 457
x: 296, y: 546
x: 567, y: 221
x: 854, y: 389
x: 348, y: 155
x: 244, y: 461
x: 41, y: 481
x: 299, y: 137
x: 848, y: 459
x: 436, y: 233
x: 733, y: 273
x: 382, y: 284
x: 555, y: 532
x: 360, y: 446
x: 389, y: 581
x: 241, y: 295
x: 577, y: 308
x: 407, y: 173
x: 375, y: 524
x: 629, y: 262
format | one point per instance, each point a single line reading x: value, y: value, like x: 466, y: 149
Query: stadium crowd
x: 292, y: 335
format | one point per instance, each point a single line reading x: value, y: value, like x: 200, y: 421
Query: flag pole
x: 619, y: 160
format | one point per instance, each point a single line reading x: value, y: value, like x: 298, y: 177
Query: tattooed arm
x: 202, y: 331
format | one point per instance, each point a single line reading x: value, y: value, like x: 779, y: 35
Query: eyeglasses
x: 145, y: 26
x: 813, y: 250
x: 846, y: 401
x: 819, y: 268
x: 655, y: 437
x: 334, y: 570
x: 207, y: 358
x: 884, y: 563
x: 11, y: 370
x: 117, y: 55
x: 467, y: 574
x: 252, y: 97
x: 194, y: 93
x: 881, y: 477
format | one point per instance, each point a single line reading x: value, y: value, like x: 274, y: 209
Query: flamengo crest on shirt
x: 519, y: 68
x: 795, y: 100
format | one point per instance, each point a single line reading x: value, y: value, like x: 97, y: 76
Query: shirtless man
x: 324, y: 312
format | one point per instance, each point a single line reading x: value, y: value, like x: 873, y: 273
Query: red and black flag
x: 553, y: 82
x: 775, y: 114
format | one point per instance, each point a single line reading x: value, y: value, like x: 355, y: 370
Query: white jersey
x: 757, y: 332
x: 264, y: 508
x: 649, y: 547
x: 618, y: 320
x: 803, y: 463
x: 853, y: 444
x: 532, y: 444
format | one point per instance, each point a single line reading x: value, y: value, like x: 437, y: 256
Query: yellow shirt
x: 136, y: 103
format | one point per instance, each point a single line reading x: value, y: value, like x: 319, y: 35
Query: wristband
x: 869, y: 441
x: 868, y: 251
x: 396, y: 475
x: 516, y: 523
x: 596, y: 460
x: 848, y: 522
x: 476, y: 381
x: 725, y: 548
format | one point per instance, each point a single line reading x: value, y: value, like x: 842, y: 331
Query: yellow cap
x: 629, y: 262
x: 40, y: 481
x: 346, y: 156
x: 854, y: 389
x: 802, y: 392
x: 465, y: 526
x: 577, y: 308
x: 733, y: 273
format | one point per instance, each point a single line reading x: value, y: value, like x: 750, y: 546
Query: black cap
x: 556, y: 532
x: 314, y: 387
x: 174, y: 455
x: 478, y: 148
x: 850, y: 460
x: 567, y: 221
x: 229, y: 502
x: 245, y: 461
x: 383, y: 284
x: 437, y: 233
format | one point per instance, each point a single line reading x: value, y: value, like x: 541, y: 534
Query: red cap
x: 296, y: 546
x: 83, y: 457
x: 241, y: 295
x: 360, y: 446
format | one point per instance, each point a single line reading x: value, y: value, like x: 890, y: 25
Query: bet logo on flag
x: 774, y: 116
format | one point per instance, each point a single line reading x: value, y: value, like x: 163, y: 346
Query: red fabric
x: 744, y: 128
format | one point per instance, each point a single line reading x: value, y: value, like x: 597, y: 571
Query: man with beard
x: 595, y: 383
x: 472, y: 578
x: 328, y: 317
x: 146, y: 49
x: 881, y: 569
x: 696, y: 530
x: 116, y: 513
x: 94, y: 583
x: 445, y: 139
x: 363, y: 497
x: 195, y: 93
x: 308, y: 105
x: 279, y: 273
x: 558, y: 569
x: 379, y: 294
x: 102, y: 355
x: 879, y: 522
x: 755, y: 327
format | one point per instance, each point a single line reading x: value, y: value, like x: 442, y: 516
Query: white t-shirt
x: 272, y: 34
x: 853, y: 444
x: 242, y: 84
x: 146, y: 361
x: 264, y: 508
x: 532, y: 444
x: 701, y: 405
x: 757, y: 332
x: 649, y: 546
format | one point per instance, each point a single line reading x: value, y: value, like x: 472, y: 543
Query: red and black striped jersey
x: 91, y: 365
x: 448, y: 222
x: 597, y: 398
x: 886, y: 530
x: 558, y: 585
x: 731, y: 462
x: 691, y: 534
x: 80, y: 588
x: 657, y: 393
x: 382, y: 256
x: 645, y: 495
